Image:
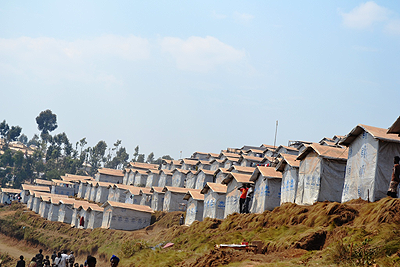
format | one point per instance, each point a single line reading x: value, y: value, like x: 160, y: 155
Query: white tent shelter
x: 220, y: 175
x: 102, y: 190
x: 289, y: 167
x: 123, y: 216
x: 191, y: 178
x: 370, y: 162
x: 173, y: 199
x: 203, y: 177
x: 195, y: 206
x: 233, y: 182
x: 65, y: 210
x: 132, y: 195
x: 152, y: 177
x: 140, y: 178
x: 157, y: 199
x: 109, y: 175
x: 8, y: 194
x: 26, y: 188
x: 321, y: 174
x: 267, y: 189
x: 165, y: 178
x: 179, y: 177
x: 145, y: 196
x: 214, y: 200
x: 61, y: 187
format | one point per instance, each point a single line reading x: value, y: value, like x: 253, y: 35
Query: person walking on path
x: 21, y: 262
x: 394, y: 182
x: 39, y: 258
x: 33, y: 262
x: 53, y: 256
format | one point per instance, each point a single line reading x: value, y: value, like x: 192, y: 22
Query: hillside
x: 356, y: 233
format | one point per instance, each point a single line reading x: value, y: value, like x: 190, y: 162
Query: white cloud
x: 365, y: 15
x: 200, y: 54
x: 52, y: 60
x: 242, y: 17
x: 393, y: 27
x: 218, y: 16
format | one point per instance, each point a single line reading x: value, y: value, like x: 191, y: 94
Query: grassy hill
x: 356, y: 233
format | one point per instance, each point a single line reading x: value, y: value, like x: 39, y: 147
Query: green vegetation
x: 356, y: 233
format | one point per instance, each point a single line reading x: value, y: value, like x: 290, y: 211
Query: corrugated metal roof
x: 144, y: 165
x: 190, y: 161
x: 175, y: 189
x: 111, y: 172
x: 239, y: 177
x: 78, y: 177
x: 248, y: 170
x: 395, y: 128
x: 153, y: 171
x: 10, y: 190
x: 195, y: 194
x: 35, y: 188
x: 325, y: 152
x: 145, y: 190
x: 377, y: 133
x: 157, y: 189
x: 56, y: 181
x: 42, y: 181
x: 218, y: 188
x: 207, y: 172
x: 267, y: 172
x: 136, y: 207
x: 288, y: 159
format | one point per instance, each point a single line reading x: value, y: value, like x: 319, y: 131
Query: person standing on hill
x: 249, y: 196
x: 242, y: 198
x: 53, y: 256
x: 33, y: 262
x: 114, y: 261
x: 91, y: 261
x: 39, y: 258
x: 71, y: 259
x: 394, y: 182
x: 21, y: 262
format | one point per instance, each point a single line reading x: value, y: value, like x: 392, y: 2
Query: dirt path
x: 15, y: 249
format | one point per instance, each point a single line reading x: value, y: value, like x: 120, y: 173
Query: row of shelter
x: 339, y: 169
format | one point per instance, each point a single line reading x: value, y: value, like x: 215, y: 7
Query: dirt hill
x: 356, y: 233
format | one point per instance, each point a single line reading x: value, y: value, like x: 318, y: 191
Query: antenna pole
x: 276, y: 131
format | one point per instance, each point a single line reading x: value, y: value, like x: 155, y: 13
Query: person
x: 46, y: 261
x: 249, y: 196
x: 53, y: 256
x: 39, y: 258
x: 63, y: 261
x: 91, y: 261
x: 21, y: 262
x: 71, y: 259
x: 57, y: 260
x: 181, y: 220
x: 114, y: 261
x: 82, y: 221
x: 33, y: 262
x: 242, y: 198
x: 394, y: 182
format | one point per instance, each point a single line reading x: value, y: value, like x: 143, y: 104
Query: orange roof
x: 195, y: 194
x: 190, y: 161
x: 256, y: 159
x: 143, y: 165
x: 230, y: 155
x: 242, y: 169
x: 207, y: 172
x: 175, y: 189
x: 157, y: 189
x: 288, y: 159
x: 111, y: 172
x: 104, y: 184
x: 395, y: 128
x: 145, y: 190
x: 325, y: 152
x: 153, y: 171
x: 239, y: 177
x: 35, y: 188
x: 10, y: 190
x: 56, y: 181
x: 78, y: 177
x: 268, y: 172
x: 114, y: 204
x: 180, y: 170
x: 218, y: 188
x: 42, y: 181
x: 377, y: 133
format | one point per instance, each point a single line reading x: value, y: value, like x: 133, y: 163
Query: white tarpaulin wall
x: 220, y: 177
x: 178, y: 179
x: 120, y: 195
x: 289, y: 184
x: 74, y: 220
x: 44, y: 209
x: 214, y: 205
x: 131, y: 178
x: 126, y: 219
x: 29, y: 202
x: 174, y: 201
x: 36, y: 204
x: 165, y: 180
x: 267, y: 195
x: 132, y: 199
x: 145, y: 199
x: 53, y: 213
x: 102, y: 194
x: 88, y: 191
x: 194, y: 211
x: 319, y: 180
x: 95, y: 219
x: 203, y: 179
x: 140, y: 180
x: 65, y: 213
x: 93, y: 193
x: 152, y: 180
x: 157, y: 201
x: 191, y: 180
x: 111, y: 193
x: 369, y: 168
x: 232, y: 198
x: 81, y: 190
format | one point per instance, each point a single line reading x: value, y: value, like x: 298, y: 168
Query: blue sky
x: 189, y: 76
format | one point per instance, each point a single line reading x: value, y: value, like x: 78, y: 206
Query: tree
x: 96, y: 155
x: 9, y: 134
x: 23, y: 139
x: 34, y: 141
x: 140, y: 158
x: 150, y: 158
x: 135, y: 154
x: 47, y: 122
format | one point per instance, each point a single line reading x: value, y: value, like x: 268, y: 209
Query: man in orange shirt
x: 394, y: 182
x: 242, y: 198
